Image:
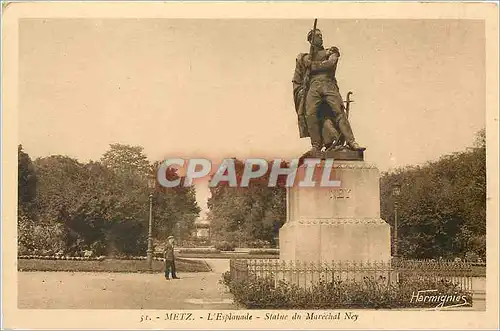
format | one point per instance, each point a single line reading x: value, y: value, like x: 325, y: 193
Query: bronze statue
x: 319, y: 105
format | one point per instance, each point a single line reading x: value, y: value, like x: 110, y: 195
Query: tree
x: 88, y: 199
x: 26, y: 184
x: 125, y: 159
x: 245, y: 214
x: 67, y: 195
x: 127, y: 169
x: 442, y: 204
x: 175, y: 209
x: 104, y: 205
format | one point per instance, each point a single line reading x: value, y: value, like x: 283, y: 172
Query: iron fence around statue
x: 459, y: 273
x: 305, y: 274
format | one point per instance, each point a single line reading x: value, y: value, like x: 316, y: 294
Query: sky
x: 222, y: 88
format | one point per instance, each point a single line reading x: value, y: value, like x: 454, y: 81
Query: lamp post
x: 151, y: 186
x: 396, y: 191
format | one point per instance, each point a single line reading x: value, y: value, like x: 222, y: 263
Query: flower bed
x: 85, y: 258
x: 55, y: 257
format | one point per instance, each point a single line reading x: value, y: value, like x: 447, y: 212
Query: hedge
x: 264, y: 251
x: 263, y: 293
x: 227, y: 255
x: 198, y: 251
x: 225, y: 246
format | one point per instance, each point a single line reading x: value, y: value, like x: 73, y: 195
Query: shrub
x: 199, y: 251
x: 195, y: 242
x: 225, y: 246
x: 126, y: 237
x: 471, y: 256
x: 188, y: 244
x: 41, y: 239
x: 98, y: 247
x: 259, y: 244
x: 265, y: 293
x: 268, y: 251
x: 226, y: 278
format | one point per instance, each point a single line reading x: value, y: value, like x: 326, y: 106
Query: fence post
x: 231, y: 269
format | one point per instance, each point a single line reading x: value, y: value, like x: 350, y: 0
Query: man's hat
x: 170, y: 237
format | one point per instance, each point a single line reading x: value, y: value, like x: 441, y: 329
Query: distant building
x: 202, y: 229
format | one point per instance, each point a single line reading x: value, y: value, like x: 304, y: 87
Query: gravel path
x: 79, y: 290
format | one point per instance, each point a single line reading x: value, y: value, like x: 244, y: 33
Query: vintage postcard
x: 250, y: 165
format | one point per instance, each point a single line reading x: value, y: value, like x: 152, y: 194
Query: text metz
x: 179, y: 316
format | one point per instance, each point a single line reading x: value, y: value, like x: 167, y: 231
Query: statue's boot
x: 355, y: 146
x: 346, y: 130
x: 315, y: 152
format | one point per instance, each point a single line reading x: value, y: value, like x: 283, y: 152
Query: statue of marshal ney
x: 318, y: 103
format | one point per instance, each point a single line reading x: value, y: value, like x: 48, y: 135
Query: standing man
x: 315, y: 80
x: 170, y: 259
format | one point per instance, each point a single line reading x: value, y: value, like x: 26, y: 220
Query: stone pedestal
x: 341, y: 224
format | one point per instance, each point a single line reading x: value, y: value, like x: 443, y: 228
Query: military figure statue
x: 317, y: 98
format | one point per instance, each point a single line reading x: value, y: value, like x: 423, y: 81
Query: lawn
x: 108, y: 265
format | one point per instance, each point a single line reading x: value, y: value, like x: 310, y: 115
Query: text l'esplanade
x: 229, y: 317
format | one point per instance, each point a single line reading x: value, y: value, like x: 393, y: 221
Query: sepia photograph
x: 190, y: 171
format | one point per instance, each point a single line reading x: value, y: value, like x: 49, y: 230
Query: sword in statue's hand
x: 348, y: 102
